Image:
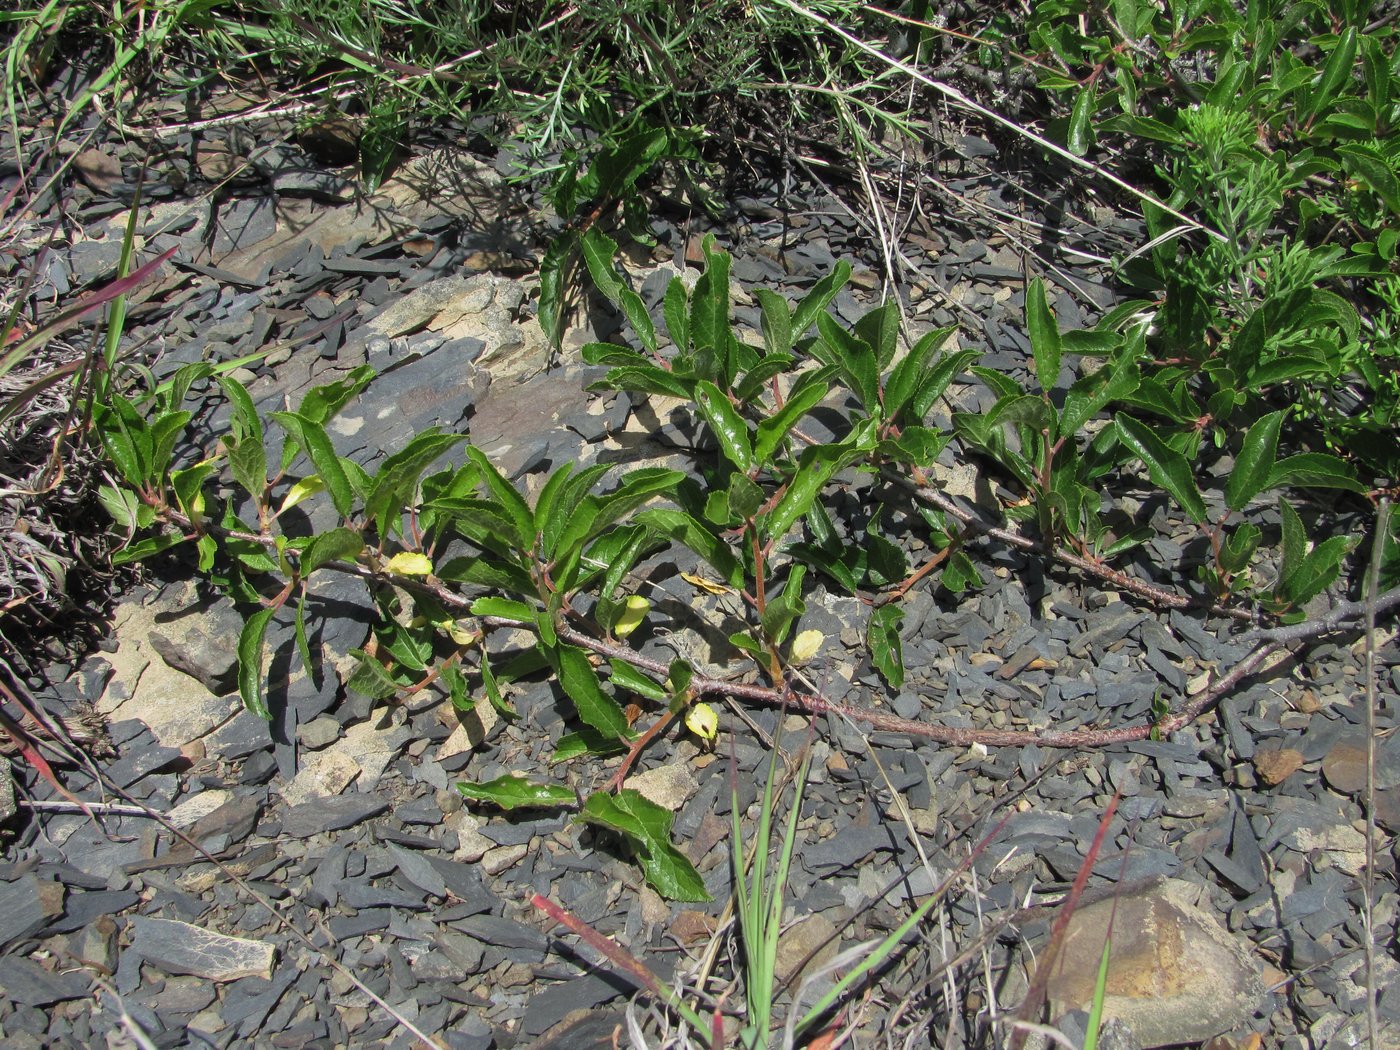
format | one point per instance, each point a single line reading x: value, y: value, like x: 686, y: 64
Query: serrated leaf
x: 648, y: 828
x: 773, y: 429
x: 1080, y: 138
x: 580, y: 681
x: 250, y: 668
x: 686, y: 530
x: 726, y: 424
x: 1044, y: 332
x: 510, y: 499
x: 775, y: 321
x: 321, y: 403
x: 1255, y: 462
x: 583, y: 742
x: 886, y: 648
x: 121, y: 504
x: 1314, y: 470
x: 515, y: 792
x: 336, y: 545
x: 1167, y: 467
x: 819, y: 298
x: 312, y: 439
x: 675, y: 308
x: 370, y: 677
x: 709, y: 303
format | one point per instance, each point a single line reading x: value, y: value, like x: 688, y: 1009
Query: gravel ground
x: 1234, y: 855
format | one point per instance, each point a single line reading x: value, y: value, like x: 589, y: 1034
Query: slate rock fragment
x: 330, y: 814
x: 179, y: 948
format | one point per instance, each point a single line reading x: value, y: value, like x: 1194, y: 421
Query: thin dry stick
x: 1368, y: 884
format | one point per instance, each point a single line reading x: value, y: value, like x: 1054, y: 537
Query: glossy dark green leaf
x: 1080, y: 138
x: 785, y: 608
x: 675, y: 308
x: 856, y: 361
x: 596, y: 708
x: 773, y: 429
x: 1369, y: 164
x: 1255, y: 462
x: 554, y: 268
x: 775, y: 321
x: 599, y: 251
x: 686, y: 530
x: 1044, y: 332
x: 515, y: 792
x: 146, y: 548
x: 1239, y: 547
x: 879, y: 329
x: 396, y: 481
x: 744, y: 497
x: 648, y: 379
x: 905, y: 377
x: 250, y: 665
x: 726, y: 424
x: 322, y: 403
x: 1167, y: 467
x: 933, y: 382
x: 709, y: 303
x: 1335, y: 74
x: 1314, y: 470
x: 819, y: 298
x: 509, y: 497
x: 648, y: 828
x: 628, y: 677
x: 815, y: 468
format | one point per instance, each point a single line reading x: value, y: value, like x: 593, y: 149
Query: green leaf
x: 250, y: 669
x: 936, y: 380
x: 1239, y: 547
x: 515, y: 792
x: 1367, y: 163
x: 503, y: 608
x: 886, y: 648
x: 912, y: 368
x: 676, y: 310
x: 773, y: 429
x: 856, y: 360
x: 880, y: 329
x: 628, y: 677
x: 775, y: 322
x: 1089, y: 395
x: 1044, y: 332
x: 726, y: 423
x: 165, y: 431
x: 508, y: 497
x: 312, y: 439
x: 686, y: 530
x: 1315, y: 470
x: 709, y: 305
x: 370, y: 678
x: 1080, y: 138
x: 819, y: 298
x: 744, y: 497
x: 648, y: 828
x: 785, y: 609
x: 1295, y: 541
x: 321, y: 403
x: 584, y: 742
x: 147, y: 548
x: 336, y: 545
x: 1165, y: 466
x: 815, y: 468
x: 121, y: 504
x: 1335, y: 74
x: 598, y: 710
x: 1255, y: 462
x: 397, y: 478
x: 647, y: 379
x: 554, y: 269
x: 599, y: 251
x: 308, y: 661
x: 960, y: 573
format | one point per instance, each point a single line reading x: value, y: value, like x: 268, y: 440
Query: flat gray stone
x: 25, y: 981
x: 330, y: 814
x: 27, y: 905
x: 179, y: 948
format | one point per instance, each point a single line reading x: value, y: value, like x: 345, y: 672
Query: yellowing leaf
x: 703, y: 584
x: 409, y: 563
x: 805, y: 646
x: 632, y: 616
x: 301, y: 491
x: 458, y: 633
x: 702, y: 721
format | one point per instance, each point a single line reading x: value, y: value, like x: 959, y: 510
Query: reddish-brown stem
x: 635, y: 749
